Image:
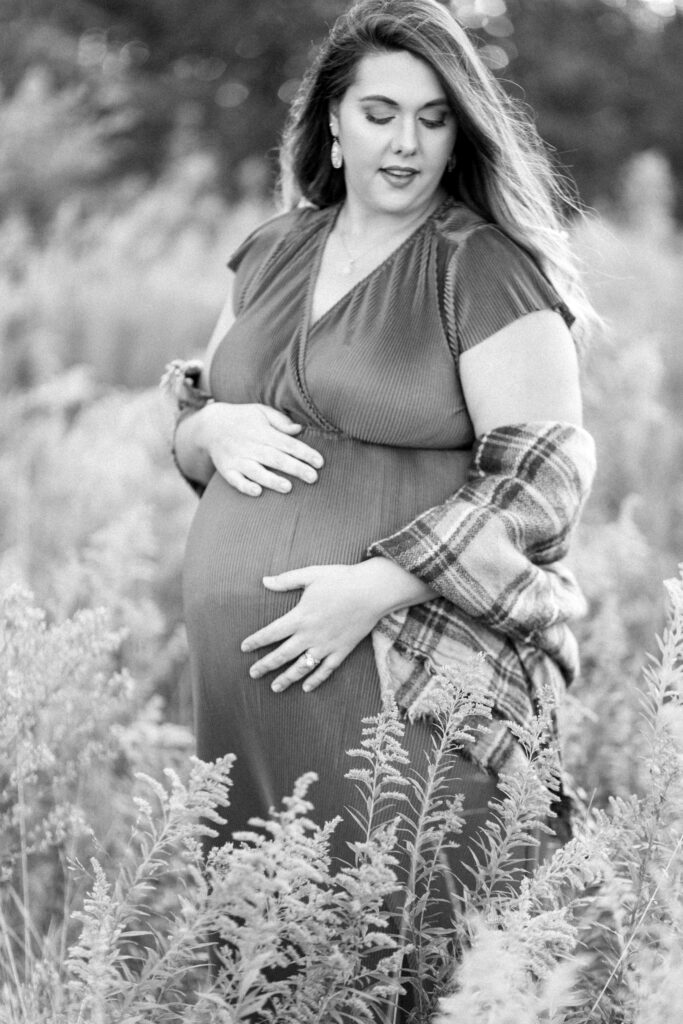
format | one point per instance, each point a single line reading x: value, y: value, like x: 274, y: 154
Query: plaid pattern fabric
x: 492, y: 553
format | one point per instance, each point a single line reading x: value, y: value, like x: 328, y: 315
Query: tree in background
x: 603, y: 79
x: 165, y: 76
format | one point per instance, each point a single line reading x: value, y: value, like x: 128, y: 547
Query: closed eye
x: 428, y: 122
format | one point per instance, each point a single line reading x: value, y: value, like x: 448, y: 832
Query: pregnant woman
x: 393, y: 448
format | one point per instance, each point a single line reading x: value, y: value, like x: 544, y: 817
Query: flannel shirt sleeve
x: 492, y: 548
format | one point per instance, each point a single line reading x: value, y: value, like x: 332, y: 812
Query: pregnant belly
x: 364, y: 492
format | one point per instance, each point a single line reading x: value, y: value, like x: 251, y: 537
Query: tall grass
x: 595, y: 933
x: 122, y: 288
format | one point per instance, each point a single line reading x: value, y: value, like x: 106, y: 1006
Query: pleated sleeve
x: 492, y: 281
x: 252, y: 258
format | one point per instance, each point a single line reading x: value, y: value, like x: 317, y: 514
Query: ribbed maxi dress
x: 375, y: 384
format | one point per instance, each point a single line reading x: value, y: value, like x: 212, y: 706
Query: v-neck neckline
x: 306, y: 328
x: 310, y: 325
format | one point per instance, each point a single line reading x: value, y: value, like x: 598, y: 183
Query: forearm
x: 389, y: 588
x: 190, y: 446
x: 491, y: 548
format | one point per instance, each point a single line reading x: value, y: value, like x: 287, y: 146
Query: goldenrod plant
x: 144, y: 930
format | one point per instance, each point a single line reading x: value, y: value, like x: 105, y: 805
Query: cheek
x: 441, y: 151
x: 361, y: 149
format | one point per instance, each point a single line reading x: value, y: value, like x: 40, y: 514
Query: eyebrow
x: 392, y: 103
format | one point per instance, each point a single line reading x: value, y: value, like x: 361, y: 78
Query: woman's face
x: 396, y: 132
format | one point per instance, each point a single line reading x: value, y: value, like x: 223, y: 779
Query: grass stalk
x: 636, y: 928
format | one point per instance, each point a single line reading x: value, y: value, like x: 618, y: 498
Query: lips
x: 400, y: 173
x: 398, y: 177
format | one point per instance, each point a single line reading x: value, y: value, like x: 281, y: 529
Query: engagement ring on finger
x: 309, y: 661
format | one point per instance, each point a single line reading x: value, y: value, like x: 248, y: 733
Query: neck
x: 357, y: 222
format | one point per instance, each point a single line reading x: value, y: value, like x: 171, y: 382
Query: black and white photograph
x: 341, y: 512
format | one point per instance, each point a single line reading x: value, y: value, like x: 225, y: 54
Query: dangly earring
x: 336, y: 156
x: 450, y: 163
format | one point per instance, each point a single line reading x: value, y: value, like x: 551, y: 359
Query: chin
x: 406, y: 198
x: 404, y: 203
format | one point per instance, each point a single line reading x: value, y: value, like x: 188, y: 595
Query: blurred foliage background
x: 99, y: 89
x: 137, y: 142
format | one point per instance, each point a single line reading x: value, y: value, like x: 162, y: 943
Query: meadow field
x: 105, y: 907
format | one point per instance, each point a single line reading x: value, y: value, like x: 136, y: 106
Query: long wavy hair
x: 501, y: 168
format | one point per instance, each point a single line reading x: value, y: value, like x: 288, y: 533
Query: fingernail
x: 285, y: 486
x: 310, y: 478
x: 254, y: 672
x: 318, y: 461
x: 277, y: 687
x: 307, y: 687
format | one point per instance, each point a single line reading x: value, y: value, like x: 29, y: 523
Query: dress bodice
x: 382, y: 365
x: 376, y: 366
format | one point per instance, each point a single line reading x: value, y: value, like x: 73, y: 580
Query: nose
x: 405, y: 136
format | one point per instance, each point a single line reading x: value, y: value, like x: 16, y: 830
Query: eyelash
x: 385, y: 120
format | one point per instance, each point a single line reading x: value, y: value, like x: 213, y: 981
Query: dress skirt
x: 364, y: 492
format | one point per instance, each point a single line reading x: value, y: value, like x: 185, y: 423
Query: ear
x: 333, y: 117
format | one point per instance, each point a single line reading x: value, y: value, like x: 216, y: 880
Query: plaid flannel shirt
x: 492, y: 553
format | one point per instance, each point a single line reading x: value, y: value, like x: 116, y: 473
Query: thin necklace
x: 348, y: 267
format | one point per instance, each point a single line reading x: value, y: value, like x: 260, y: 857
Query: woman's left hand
x: 338, y: 608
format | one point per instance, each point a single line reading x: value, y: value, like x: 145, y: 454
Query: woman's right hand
x: 251, y: 444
